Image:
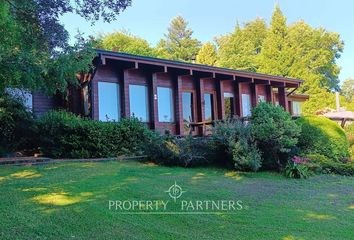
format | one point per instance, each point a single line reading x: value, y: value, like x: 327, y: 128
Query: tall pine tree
x: 273, y: 56
x: 178, y: 43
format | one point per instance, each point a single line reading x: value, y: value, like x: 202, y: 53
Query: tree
x: 35, y: 52
x: 240, y: 49
x: 273, y: 56
x: 348, y: 89
x: 207, y: 54
x: 297, y: 51
x: 311, y: 55
x: 178, y: 43
x: 124, y: 42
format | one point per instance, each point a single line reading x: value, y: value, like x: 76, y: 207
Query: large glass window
x: 165, y: 104
x: 139, y: 102
x: 261, y: 98
x: 246, y: 105
x: 229, y: 105
x: 108, y: 101
x: 296, y: 107
x: 187, y: 105
x: 208, y: 107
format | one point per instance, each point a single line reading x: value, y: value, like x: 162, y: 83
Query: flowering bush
x: 296, y: 168
x: 300, y: 160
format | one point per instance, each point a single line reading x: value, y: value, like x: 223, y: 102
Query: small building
x: 171, y: 95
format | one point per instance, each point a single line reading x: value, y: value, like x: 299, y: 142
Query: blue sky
x: 208, y: 19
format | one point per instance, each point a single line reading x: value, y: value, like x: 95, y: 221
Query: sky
x: 210, y: 19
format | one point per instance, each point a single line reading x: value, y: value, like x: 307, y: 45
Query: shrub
x: 320, y: 135
x: 275, y: 134
x: 321, y: 164
x: 17, y: 128
x: 246, y: 156
x: 296, y: 168
x: 233, y: 141
x: 63, y: 134
x: 349, y: 131
x: 172, y: 151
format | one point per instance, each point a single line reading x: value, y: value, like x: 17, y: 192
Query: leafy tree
x: 178, y: 43
x: 348, y: 89
x: 240, y: 49
x: 124, y: 42
x: 297, y: 51
x: 312, y: 54
x: 207, y: 54
x: 35, y: 53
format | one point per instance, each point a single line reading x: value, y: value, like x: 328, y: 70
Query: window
x: 165, y: 104
x: 296, y: 106
x: 139, y: 102
x: 187, y: 106
x: 85, y: 93
x: 208, y: 107
x: 23, y: 95
x: 108, y: 101
x: 261, y: 98
x: 246, y: 105
x: 229, y: 105
x: 187, y: 109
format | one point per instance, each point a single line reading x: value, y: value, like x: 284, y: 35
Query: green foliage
x: 275, y: 133
x: 63, y: 134
x: 349, y: 131
x: 233, y: 142
x: 240, y: 49
x: 294, y: 170
x: 17, y: 129
x: 171, y: 151
x: 320, y: 135
x: 297, y: 50
x: 178, y: 43
x: 34, y: 49
x: 246, y: 155
x: 207, y: 55
x: 347, y: 89
x: 124, y: 42
x: 272, y: 57
x: 321, y: 164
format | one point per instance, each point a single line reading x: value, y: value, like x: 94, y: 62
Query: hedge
x: 323, y: 136
x: 64, y: 135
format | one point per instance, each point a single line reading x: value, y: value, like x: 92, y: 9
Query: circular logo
x: 175, y: 191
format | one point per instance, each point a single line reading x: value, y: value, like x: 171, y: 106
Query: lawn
x: 70, y: 201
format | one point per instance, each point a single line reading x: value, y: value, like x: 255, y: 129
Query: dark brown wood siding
x: 42, y: 103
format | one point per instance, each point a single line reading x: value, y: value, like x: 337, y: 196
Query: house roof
x: 104, y: 54
x: 340, y: 114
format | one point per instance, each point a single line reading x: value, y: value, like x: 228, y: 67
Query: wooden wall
x: 179, y: 83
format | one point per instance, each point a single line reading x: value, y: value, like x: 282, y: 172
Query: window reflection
x: 229, y: 105
x: 108, y: 101
x: 139, y: 102
x: 165, y: 104
x: 208, y: 107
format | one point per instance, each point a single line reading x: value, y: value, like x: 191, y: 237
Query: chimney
x: 337, y: 101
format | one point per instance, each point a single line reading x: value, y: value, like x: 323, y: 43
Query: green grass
x: 70, y: 201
